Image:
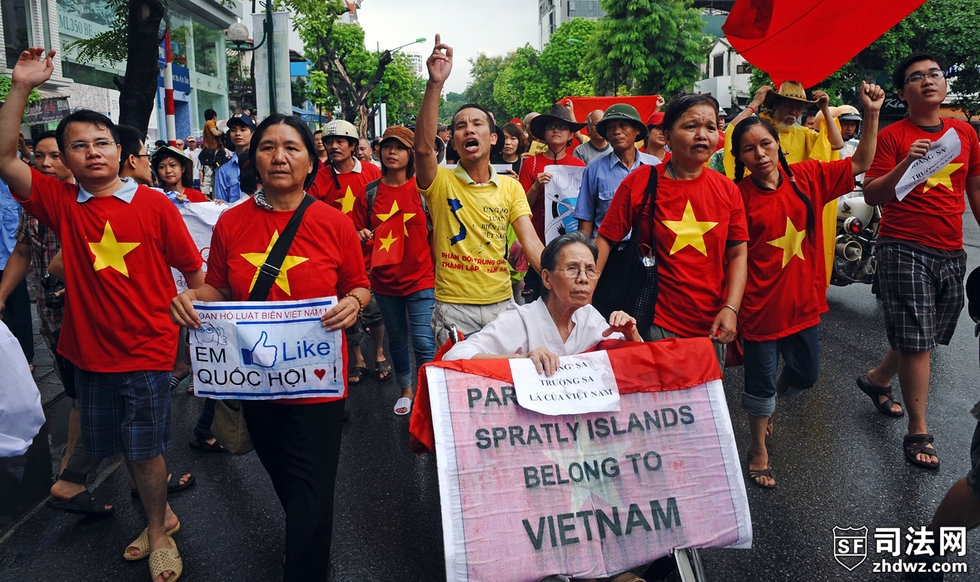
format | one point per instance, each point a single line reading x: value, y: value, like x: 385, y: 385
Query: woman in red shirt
x: 402, y: 273
x: 785, y: 291
x: 298, y: 439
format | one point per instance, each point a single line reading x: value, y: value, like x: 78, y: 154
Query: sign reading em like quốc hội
x: 266, y: 350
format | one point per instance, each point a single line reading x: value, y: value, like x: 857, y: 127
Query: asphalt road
x: 837, y: 461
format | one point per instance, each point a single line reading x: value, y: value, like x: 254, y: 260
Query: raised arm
x: 32, y: 68
x: 872, y: 98
x: 439, y: 64
x: 833, y: 132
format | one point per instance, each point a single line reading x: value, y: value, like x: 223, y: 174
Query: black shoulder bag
x: 629, y: 278
x: 229, y: 426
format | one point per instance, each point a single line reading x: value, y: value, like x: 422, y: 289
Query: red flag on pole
x: 389, y: 243
x: 808, y: 40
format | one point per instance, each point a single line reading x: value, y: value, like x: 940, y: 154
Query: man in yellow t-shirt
x: 471, y: 208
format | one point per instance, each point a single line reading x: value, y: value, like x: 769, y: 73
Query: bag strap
x: 270, y: 269
x: 649, y: 197
x: 371, y: 190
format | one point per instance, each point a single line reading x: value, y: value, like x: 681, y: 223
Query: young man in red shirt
x: 119, y: 241
x: 920, y: 242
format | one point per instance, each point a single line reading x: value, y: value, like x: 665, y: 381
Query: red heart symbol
x: 320, y: 373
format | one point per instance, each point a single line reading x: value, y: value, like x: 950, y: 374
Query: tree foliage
x: 484, y: 70
x: 450, y: 104
x: 351, y: 73
x: 646, y: 47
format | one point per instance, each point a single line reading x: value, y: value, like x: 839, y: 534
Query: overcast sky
x: 470, y: 27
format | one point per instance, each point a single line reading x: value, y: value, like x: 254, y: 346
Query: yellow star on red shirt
x: 111, y: 253
x: 942, y: 177
x: 394, y: 209
x: 689, y: 230
x: 259, y: 259
x: 346, y: 201
x: 791, y: 242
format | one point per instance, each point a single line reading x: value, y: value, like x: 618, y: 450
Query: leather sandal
x: 874, y: 392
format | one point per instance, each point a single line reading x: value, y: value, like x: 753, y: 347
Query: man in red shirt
x: 119, y: 241
x: 342, y: 183
x: 920, y: 242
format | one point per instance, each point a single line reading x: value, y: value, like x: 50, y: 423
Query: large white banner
x: 525, y: 495
x: 266, y: 350
x: 200, y: 218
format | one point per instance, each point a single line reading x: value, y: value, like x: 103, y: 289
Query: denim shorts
x: 126, y: 412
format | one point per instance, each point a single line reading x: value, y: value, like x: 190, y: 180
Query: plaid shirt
x: 44, y: 245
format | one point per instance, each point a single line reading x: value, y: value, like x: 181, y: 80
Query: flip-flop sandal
x: 357, y: 375
x: 206, y: 447
x: 84, y: 502
x: 382, y: 371
x: 864, y: 383
x: 142, y: 543
x: 173, y: 484
x: 756, y: 474
x: 166, y: 559
x: 403, y: 403
x: 916, y: 444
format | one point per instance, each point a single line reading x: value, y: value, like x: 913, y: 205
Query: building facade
x: 197, y: 41
x: 552, y: 13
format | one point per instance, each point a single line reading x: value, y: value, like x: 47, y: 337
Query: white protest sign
x: 266, y: 350
x: 940, y: 154
x: 200, y: 218
x: 560, y: 197
x: 583, y: 383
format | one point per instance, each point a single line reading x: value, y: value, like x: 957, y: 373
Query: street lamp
x: 384, y: 59
x: 237, y: 35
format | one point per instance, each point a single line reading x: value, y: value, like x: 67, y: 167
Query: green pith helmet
x: 622, y: 112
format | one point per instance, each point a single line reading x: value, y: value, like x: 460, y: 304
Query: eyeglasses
x: 146, y: 155
x: 573, y: 272
x: 916, y: 78
x: 555, y: 126
x: 82, y: 146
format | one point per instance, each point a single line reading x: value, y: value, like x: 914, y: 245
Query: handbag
x: 228, y: 426
x: 629, y: 278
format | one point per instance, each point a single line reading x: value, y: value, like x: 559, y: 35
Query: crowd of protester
x: 739, y: 258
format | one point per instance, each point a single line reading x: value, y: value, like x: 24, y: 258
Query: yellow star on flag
x: 689, y: 231
x: 258, y: 259
x: 111, y: 253
x: 387, y: 241
x: 394, y: 209
x: 791, y: 242
x: 942, y: 177
x: 346, y: 201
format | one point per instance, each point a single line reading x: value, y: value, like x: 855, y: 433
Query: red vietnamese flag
x: 389, y: 242
x: 808, y: 40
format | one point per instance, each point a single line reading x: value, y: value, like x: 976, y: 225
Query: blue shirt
x: 9, y: 216
x: 226, y: 184
x: 599, y: 183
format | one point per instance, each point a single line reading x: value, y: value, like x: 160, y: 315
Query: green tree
x: 449, y: 105
x: 647, y: 47
x: 484, y: 71
x: 520, y: 88
x: 560, y: 61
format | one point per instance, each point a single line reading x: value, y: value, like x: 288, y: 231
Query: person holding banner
x: 561, y: 323
x: 555, y: 129
x: 924, y: 165
x: 402, y: 275
x: 297, y: 440
x: 696, y: 228
x: 784, y: 297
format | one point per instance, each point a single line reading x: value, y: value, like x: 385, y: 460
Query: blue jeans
x: 402, y: 315
x: 801, y: 354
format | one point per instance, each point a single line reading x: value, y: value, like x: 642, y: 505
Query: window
x: 718, y: 66
x: 744, y: 69
x: 16, y: 32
